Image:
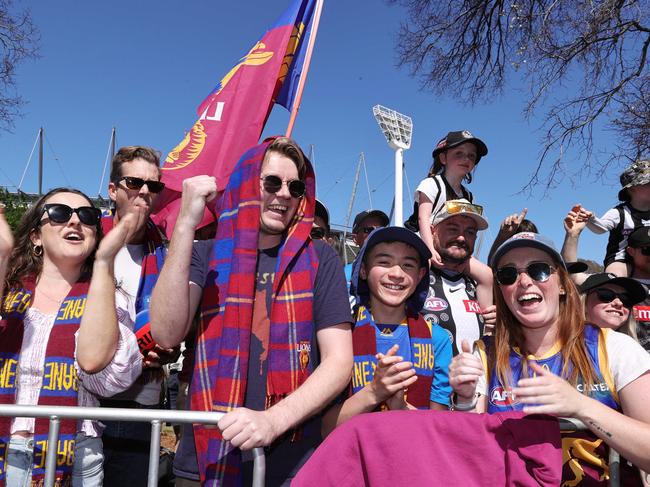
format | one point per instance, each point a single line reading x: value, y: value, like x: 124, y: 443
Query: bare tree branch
x: 594, y: 52
x: 19, y: 40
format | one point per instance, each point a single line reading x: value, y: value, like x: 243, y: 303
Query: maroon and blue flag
x: 232, y: 117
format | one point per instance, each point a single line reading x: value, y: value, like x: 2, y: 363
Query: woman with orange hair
x: 543, y: 358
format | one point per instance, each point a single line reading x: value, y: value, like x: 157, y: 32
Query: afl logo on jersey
x: 435, y: 304
x: 500, y: 397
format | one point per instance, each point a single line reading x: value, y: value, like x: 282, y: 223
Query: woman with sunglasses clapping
x: 60, y: 342
x: 544, y: 358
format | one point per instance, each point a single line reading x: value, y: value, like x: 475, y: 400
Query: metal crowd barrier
x: 570, y: 424
x: 154, y: 416
x: 157, y: 416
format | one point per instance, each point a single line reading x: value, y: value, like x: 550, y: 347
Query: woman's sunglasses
x: 538, y: 271
x: 273, y: 184
x: 137, y: 183
x: 607, y: 296
x: 60, y: 213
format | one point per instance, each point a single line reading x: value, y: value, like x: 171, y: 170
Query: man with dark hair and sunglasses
x: 321, y: 227
x: 135, y: 183
x: 274, y: 346
x: 365, y: 222
x: 452, y: 301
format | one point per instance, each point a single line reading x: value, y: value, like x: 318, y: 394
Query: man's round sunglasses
x: 317, y: 233
x: 273, y: 184
x: 60, y: 213
x: 607, y: 296
x: 368, y: 230
x: 137, y: 183
x: 538, y: 271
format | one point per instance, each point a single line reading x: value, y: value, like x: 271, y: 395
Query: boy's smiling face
x: 392, y: 271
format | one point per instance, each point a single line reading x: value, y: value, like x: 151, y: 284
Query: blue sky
x: 145, y: 66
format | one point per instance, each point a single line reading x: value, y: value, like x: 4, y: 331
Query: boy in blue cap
x: 400, y: 361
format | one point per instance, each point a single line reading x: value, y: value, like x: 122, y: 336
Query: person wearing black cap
x: 394, y: 348
x: 608, y: 301
x: 454, y: 158
x: 633, y: 212
x: 365, y: 222
x: 638, y: 248
x: 321, y: 226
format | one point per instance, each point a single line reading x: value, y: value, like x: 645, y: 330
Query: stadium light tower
x: 398, y: 130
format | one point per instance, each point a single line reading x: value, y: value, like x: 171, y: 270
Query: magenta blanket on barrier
x: 413, y: 448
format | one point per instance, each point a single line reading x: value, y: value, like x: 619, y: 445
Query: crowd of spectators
x: 293, y: 346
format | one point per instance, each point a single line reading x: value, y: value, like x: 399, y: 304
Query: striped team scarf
x: 152, y: 262
x: 364, y: 347
x: 59, y: 387
x: 221, y: 368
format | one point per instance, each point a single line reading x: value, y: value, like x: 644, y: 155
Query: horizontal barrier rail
x: 154, y: 416
x: 157, y: 416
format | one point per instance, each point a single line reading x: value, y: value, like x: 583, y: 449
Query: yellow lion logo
x: 188, y: 150
x: 251, y: 59
x: 574, y: 449
x: 192, y: 144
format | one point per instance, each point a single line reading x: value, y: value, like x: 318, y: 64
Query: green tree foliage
x: 584, y: 65
x: 15, y: 206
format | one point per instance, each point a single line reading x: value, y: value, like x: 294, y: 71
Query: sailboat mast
x: 40, y: 161
x: 110, y: 154
x: 354, y: 190
x: 350, y: 205
x: 112, y: 144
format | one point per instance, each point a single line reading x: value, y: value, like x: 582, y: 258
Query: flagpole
x: 305, y: 68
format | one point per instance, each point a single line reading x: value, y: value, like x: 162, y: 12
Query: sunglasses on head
x: 273, y: 184
x: 538, y: 271
x: 317, y: 233
x: 606, y: 295
x: 60, y: 213
x: 137, y: 183
x: 454, y: 206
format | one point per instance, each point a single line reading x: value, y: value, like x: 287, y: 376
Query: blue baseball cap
x: 527, y: 239
x: 359, y: 287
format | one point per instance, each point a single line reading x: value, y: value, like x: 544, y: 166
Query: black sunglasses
x: 137, y: 183
x: 317, y: 233
x: 367, y: 229
x: 273, y: 184
x: 645, y: 250
x: 60, y: 213
x: 538, y: 271
x: 607, y: 296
